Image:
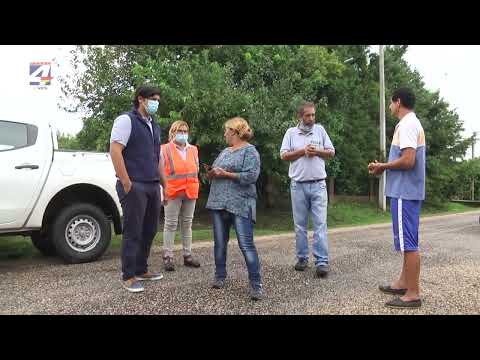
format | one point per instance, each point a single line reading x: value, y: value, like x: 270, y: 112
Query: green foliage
x: 206, y: 85
x: 68, y: 142
x: 462, y: 176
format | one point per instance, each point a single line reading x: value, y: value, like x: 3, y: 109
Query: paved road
x: 361, y: 258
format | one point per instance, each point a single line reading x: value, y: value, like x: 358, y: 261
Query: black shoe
x: 387, y: 289
x: 218, y: 283
x: 322, y: 271
x: 168, y: 264
x: 301, y: 265
x: 190, y: 261
x: 256, y: 293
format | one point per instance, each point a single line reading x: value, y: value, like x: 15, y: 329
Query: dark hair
x: 406, y: 96
x: 145, y: 91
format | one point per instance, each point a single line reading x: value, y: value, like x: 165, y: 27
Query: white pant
x: 184, y: 208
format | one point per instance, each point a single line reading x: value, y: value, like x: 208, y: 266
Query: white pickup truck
x: 64, y: 200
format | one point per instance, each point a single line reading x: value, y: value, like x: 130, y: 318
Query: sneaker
x: 256, y: 293
x: 149, y: 276
x: 218, y: 283
x: 168, y: 264
x: 322, y: 271
x: 132, y: 285
x: 301, y: 265
x: 190, y: 261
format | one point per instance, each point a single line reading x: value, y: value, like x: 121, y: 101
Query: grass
x: 13, y: 247
x: 449, y: 209
x: 269, y: 222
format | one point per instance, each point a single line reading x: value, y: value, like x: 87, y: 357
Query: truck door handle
x: 26, y: 166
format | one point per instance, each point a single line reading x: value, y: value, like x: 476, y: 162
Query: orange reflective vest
x: 182, y: 175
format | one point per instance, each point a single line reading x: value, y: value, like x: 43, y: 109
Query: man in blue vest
x: 135, y: 152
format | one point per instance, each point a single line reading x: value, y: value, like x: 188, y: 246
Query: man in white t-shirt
x: 405, y: 186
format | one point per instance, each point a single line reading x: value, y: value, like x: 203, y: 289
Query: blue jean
x: 222, y: 221
x: 310, y: 198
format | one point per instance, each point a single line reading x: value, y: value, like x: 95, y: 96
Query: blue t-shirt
x: 407, y: 184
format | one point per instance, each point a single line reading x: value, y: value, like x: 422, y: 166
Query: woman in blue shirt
x: 232, y: 201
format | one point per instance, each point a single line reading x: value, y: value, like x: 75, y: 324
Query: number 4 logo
x: 40, y: 73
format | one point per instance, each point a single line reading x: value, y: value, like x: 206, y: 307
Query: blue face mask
x: 152, y: 106
x: 181, y: 138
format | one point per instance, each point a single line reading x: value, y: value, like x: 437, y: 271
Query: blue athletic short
x: 405, y: 220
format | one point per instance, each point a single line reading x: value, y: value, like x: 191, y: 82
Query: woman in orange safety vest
x: 181, y: 170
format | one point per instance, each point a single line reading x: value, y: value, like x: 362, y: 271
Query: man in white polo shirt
x: 307, y: 146
x: 405, y: 186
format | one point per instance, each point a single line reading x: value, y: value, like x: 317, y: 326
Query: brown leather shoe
x: 190, y: 261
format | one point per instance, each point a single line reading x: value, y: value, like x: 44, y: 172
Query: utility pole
x: 473, y: 189
x: 382, y: 200
x: 474, y: 139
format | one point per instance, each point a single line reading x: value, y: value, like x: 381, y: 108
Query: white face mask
x: 152, y: 106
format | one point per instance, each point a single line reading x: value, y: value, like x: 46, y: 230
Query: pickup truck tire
x: 43, y: 244
x: 80, y: 233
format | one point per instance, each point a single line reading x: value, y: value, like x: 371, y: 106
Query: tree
x: 68, y: 142
x: 208, y: 84
x: 466, y: 172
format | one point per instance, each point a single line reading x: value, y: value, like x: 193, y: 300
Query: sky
x: 452, y: 69
x: 19, y: 100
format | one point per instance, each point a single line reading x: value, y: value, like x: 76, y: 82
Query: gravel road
x: 361, y: 259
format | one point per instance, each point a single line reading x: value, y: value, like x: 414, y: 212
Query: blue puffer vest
x: 142, y: 153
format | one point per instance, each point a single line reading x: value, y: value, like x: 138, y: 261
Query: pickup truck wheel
x: 81, y: 233
x: 43, y: 244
